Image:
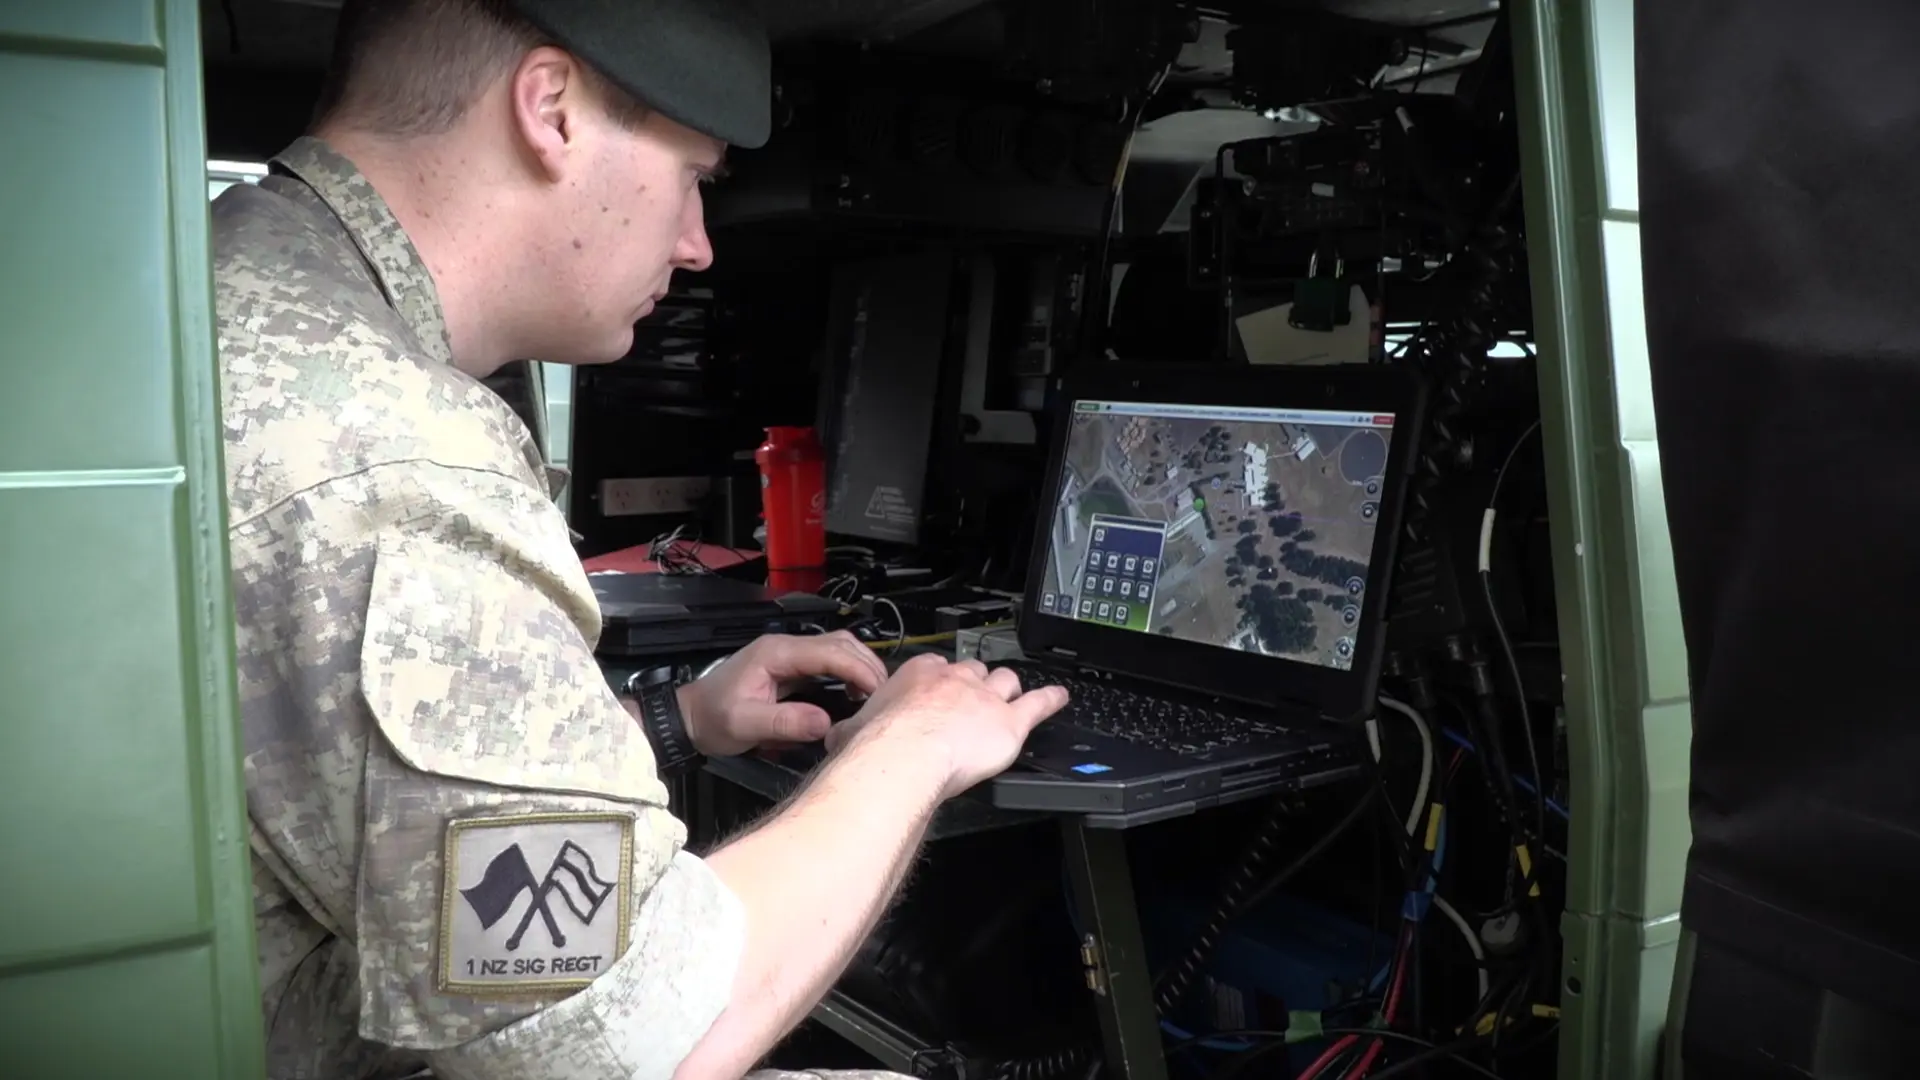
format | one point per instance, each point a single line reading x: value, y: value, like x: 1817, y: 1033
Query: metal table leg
x: 892, y: 1045
x: 702, y: 829
x: 1114, y: 953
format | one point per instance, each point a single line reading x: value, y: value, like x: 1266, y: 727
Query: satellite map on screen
x: 1243, y: 528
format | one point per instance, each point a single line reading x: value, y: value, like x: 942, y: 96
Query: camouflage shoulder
x: 274, y: 242
x: 320, y: 377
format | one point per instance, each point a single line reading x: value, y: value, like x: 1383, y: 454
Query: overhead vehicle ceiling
x: 261, y: 49
x: 298, y: 34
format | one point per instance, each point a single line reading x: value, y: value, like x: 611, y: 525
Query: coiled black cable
x: 1172, y: 985
x: 1245, y: 889
x: 1045, y: 1066
x: 1452, y: 353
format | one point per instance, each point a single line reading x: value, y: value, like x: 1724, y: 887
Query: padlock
x: 1320, y: 304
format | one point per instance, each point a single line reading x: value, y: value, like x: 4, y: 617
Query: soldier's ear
x: 547, y: 99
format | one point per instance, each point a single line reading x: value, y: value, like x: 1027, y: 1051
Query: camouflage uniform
x: 446, y: 800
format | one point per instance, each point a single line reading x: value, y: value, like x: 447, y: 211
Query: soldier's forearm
x: 814, y: 881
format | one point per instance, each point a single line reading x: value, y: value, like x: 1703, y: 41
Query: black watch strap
x: 666, y: 728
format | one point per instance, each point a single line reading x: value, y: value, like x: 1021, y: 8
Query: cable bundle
x: 677, y: 553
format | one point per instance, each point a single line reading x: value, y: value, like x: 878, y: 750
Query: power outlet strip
x: 646, y: 496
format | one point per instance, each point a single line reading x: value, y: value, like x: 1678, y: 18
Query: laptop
x: 1209, y: 580
x: 665, y: 615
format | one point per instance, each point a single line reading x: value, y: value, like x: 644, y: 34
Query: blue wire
x: 1433, y: 882
x: 1440, y: 843
x: 1232, y: 1045
x: 1521, y: 782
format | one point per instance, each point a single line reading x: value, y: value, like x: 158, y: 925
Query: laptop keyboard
x: 1173, y: 726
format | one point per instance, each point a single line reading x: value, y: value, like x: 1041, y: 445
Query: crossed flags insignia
x: 572, y: 877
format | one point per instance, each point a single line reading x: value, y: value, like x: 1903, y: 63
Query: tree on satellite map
x: 1328, y: 569
x: 1284, y: 624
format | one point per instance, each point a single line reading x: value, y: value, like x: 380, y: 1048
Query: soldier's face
x: 641, y: 219
x: 614, y: 210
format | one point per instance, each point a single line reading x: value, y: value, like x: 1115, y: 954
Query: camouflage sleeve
x: 641, y: 1018
x: 523, y: 907
x: 827, y: 1074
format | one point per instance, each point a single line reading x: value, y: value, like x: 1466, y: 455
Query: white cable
x: 1439, y: 902
x: 1493, y: 499
x: 1473, y: 940
x: 1486, y: 540
x: 898, y: 620
x: 1426, y: 760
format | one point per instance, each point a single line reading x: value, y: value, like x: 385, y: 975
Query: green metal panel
x: 1625, y: 660
x: 126, y: 927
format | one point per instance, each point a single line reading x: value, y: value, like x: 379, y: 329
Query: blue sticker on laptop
x: 1090, y: 768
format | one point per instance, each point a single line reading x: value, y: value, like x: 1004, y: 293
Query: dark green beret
x: 702, y: 63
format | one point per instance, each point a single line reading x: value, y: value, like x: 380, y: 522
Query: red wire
x: 1392, y: 1009
x: 1365, y: 1064
x: 1333, y: 1053
x: 1366, y: 1060
x: 1390, y: 1013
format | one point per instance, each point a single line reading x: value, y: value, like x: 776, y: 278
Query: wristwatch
x: 660, y: 718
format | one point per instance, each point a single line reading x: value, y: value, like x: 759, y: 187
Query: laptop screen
x: 1241, y: 528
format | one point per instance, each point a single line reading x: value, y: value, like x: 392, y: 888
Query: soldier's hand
x: 737, y: 707
x: 976, y: 720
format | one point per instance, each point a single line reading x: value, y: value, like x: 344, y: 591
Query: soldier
x: 462, y: 854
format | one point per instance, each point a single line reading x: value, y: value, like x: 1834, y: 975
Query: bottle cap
x: 789, y: 436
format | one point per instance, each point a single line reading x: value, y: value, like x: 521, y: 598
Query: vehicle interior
x: 966, y: 206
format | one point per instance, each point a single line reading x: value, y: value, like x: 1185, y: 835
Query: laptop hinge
x: 1071, y: 658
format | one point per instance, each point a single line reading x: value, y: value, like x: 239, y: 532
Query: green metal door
x: 126, y: 929
x: 1628, y: 721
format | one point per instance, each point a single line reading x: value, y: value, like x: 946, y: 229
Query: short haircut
x: 406, y: 68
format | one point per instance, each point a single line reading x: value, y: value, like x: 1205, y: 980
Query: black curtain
x: 1779, y: 151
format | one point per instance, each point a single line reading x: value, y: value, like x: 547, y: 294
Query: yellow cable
x: 923, y: 639
x: 1526, y: 868
x: 1541, y: 1012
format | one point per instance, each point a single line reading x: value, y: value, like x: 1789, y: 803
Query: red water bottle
x: 793, y: 498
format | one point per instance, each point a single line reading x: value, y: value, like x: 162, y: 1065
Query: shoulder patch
x: 534, y: 903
